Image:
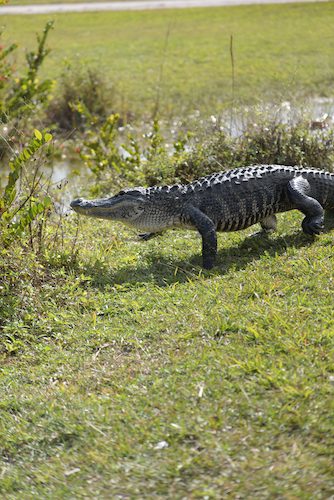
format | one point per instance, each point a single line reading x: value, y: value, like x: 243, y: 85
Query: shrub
x: 287, y: 145
x: 148, y: 160
x: 24, y: 199
x: 21, y: 94
x: 115, y: 154
x: 269, y: 143
x: 86, y: 86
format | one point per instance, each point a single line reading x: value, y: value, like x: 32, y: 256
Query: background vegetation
x: 127, y: 370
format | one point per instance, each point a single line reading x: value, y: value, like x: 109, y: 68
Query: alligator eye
x: 121, y: 193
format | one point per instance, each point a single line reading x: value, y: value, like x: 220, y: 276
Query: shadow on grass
x: 163, y: 272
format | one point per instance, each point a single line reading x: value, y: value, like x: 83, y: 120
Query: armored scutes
x: 226, y: 201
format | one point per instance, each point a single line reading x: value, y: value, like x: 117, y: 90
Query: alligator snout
x: 76, y: 203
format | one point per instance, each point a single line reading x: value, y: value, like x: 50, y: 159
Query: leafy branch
x: 24, y: 93
x: 14, y: 215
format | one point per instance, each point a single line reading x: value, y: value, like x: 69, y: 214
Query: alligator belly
x: 238, y: 223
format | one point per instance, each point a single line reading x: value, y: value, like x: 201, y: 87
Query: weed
x: 81, y: 86
x: 21, y: 204
x: 267, y: 143
x: 21, y: 94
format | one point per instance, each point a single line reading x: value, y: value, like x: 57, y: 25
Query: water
x: 317, y: 112
x: 70, y: 178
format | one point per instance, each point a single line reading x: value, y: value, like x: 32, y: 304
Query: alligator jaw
x: 102, y: 208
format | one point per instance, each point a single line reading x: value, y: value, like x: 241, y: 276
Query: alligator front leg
x: 207, y: 230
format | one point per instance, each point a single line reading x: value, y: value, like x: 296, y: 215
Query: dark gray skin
x: 226, y: 201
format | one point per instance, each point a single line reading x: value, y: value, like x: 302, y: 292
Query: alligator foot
x: 313, y: 225
x: 148, y: 236
x: 298, y: 192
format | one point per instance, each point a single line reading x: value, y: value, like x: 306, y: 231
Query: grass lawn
x: 278, y: 52
x: 136, y: 375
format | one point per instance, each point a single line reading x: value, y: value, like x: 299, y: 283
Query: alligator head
x: 126, y: 206
x: 134, y: 207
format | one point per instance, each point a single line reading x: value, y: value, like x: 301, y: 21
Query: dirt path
x: 132, y: 5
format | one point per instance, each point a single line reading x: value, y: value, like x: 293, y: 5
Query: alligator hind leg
x: 148, y: 236
x: 299, y: 194
x: 269, y: 224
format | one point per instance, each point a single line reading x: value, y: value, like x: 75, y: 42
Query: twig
x: 30, y: 195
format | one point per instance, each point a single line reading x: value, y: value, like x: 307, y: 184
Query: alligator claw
x: 262, y: 233
x: 312, y: 227
x: 148, y: 236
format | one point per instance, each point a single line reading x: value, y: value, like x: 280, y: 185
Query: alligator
x: 224, y: 201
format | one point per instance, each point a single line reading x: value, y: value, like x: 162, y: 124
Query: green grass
x: 135, y: 374
x: 126, y: 370
x: 278, y: 52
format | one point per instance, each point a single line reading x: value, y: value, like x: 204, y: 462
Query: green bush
x: 149, y: 161
x: 21, y: 93
x: 287, y: 145
x: 24, y: 198
x: 115, y: 155
x: 85, y: 86
x: 25, y: 201
x: 268, y: 143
